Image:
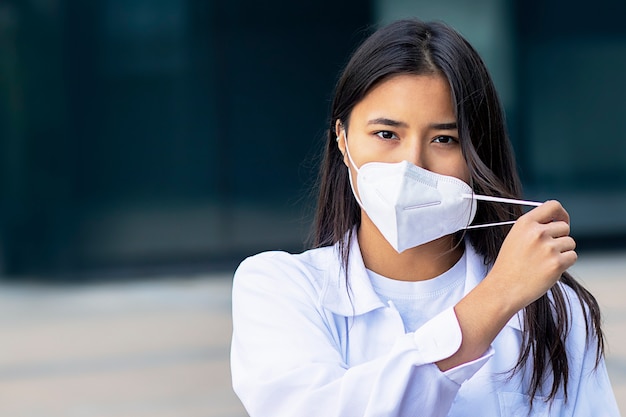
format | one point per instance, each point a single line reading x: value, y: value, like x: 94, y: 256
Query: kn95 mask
x: 412, y: 206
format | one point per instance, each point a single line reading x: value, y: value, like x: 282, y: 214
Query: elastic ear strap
x: 498, y: 200
x: 502, y: 200
x: 345, y: 135
x: 478, y: 226
x: 356, y: 196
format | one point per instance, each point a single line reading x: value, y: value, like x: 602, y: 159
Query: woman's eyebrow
x: 387, y: 122
x: 444, y: 126
x: 395, y: 123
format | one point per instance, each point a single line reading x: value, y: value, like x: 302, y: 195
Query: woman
x: 417, y: 300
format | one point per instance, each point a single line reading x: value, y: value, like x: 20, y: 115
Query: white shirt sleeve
x: 286, y: 360
x: 440, y: 338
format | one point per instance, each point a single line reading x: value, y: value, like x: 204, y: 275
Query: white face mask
x: 412, y: 206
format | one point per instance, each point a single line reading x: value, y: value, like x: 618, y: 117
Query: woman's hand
x: 537, y: 250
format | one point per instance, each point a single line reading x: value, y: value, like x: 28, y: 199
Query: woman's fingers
x: 537, y: 250
x: 549, y: 212
x: 565, y: 244
x: 556, y: 229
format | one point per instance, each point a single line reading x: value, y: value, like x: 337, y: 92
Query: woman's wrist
x: 481, y: 315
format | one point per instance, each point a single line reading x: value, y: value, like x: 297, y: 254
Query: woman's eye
x: 386, y: 134
x: 445, y: 140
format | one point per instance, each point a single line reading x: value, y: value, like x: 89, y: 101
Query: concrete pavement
x: 157, y: 349
x: 160, y: 348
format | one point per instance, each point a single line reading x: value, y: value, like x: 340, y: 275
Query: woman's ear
x: 340, y: 132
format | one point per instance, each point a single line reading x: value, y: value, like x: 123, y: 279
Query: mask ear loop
x: 498, y: 200
x: 356, y: 196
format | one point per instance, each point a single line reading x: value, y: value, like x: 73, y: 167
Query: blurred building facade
x: 159, y: 132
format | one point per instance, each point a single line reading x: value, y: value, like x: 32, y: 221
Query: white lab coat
x: 305, y: 345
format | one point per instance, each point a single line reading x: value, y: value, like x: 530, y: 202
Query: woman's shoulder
x: 311, y: 260
x: 282, y: 270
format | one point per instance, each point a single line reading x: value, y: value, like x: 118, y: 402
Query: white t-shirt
x: 419, y: 301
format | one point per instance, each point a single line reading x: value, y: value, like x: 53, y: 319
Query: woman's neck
x: 416, y: 264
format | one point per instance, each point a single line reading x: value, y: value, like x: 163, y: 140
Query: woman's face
x: 407, y: 117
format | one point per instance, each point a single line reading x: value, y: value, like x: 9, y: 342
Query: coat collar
x: 358, y: 296
x: 351, y: 298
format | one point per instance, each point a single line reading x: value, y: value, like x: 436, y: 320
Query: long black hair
x: 419, y: 48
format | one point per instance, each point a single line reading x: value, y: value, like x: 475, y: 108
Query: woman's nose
x: 415, y: 154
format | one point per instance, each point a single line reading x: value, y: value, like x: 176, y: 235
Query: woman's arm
x: 533, y: 256
x: 287, y: 360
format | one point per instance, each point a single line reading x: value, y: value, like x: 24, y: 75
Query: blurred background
x: 162, y: 133
x: 168, y: 139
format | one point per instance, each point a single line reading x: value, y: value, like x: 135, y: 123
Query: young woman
x: 417, y: 300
